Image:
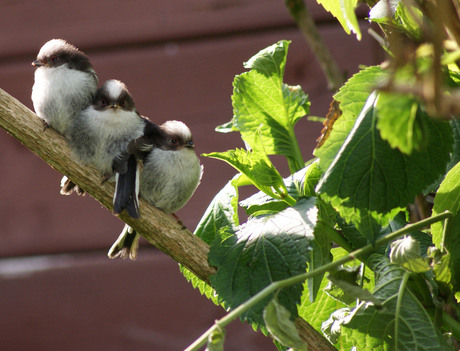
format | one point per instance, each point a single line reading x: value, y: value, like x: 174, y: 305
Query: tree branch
x: 160, y: 229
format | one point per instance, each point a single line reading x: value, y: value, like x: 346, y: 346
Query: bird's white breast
x: 60, y: 93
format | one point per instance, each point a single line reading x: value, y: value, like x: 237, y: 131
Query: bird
x: 170, y: 174
x: 100, y: 133
x: 65, y: 83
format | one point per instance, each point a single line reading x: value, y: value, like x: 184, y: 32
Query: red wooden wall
x: 178, y: 58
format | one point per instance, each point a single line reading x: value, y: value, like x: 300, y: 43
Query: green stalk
x: 261, y: 295
x: 297, y: 163
x: 452, y: 324
x: 402, y: 287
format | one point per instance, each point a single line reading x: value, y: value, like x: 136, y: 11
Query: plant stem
x: 402, y: 287
x: 261, y: 295
x: 307, y: 26
x: 297, y: 163
x: 452, y: 324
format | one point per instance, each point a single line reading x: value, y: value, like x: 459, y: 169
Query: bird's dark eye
x: 53, y: 58
x: 104, y: 102
x: 174, y: 141
x: 122, y: 103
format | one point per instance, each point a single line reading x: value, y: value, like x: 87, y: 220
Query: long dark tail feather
x: 127, y: 190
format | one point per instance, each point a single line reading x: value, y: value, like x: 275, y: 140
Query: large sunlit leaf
x: 369, y: 179
x: 257, y: 167
x: 264, y: 250
x: 262, y: 102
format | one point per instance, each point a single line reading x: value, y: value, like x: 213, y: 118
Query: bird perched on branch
x: 102, y: 131
x: 170, y: 175
x: 65, y: 83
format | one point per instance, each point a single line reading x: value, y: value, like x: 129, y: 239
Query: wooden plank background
x: 178, y: 58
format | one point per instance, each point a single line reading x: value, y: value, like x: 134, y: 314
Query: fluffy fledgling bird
x: 65, y: 83
x: 170, y: 175
x: 102, y: 131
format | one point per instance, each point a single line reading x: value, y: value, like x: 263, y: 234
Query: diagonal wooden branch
x: 160, y: 229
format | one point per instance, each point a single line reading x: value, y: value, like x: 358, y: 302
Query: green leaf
x: 320, y: 310
x: 352, y: 97
x: 278, y: 322
x: 312, y: 176
x: 221, y: 212
x: 264, y: 250
x: 300, y: 184
x: 350, y: 290
x: 455, y: 123
x: 410, y: 24
x: 448, y: 199
x: 370, y: 180
x: 401, y: 122
x: 262, y: 102
x: 204, y: 288
x: 344, y: 11
x: 257, y: 167
x: 374, y: 329
x: 320, y: 253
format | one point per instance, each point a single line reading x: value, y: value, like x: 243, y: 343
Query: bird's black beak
x: 190, y: 145
x: 37, y: 63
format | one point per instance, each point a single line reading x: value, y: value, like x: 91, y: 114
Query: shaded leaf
x: 374, y: 329
x: 264, y: 250
x: 221, y: 212
x: 278, y: 322
x: 401, y: 122
x: 368, y: 180
x: 346, y: 281
x: 320, y: 255
x: 324, y: 305
x: 448, y: 199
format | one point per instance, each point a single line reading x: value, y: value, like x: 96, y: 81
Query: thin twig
x: 308, y: 28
